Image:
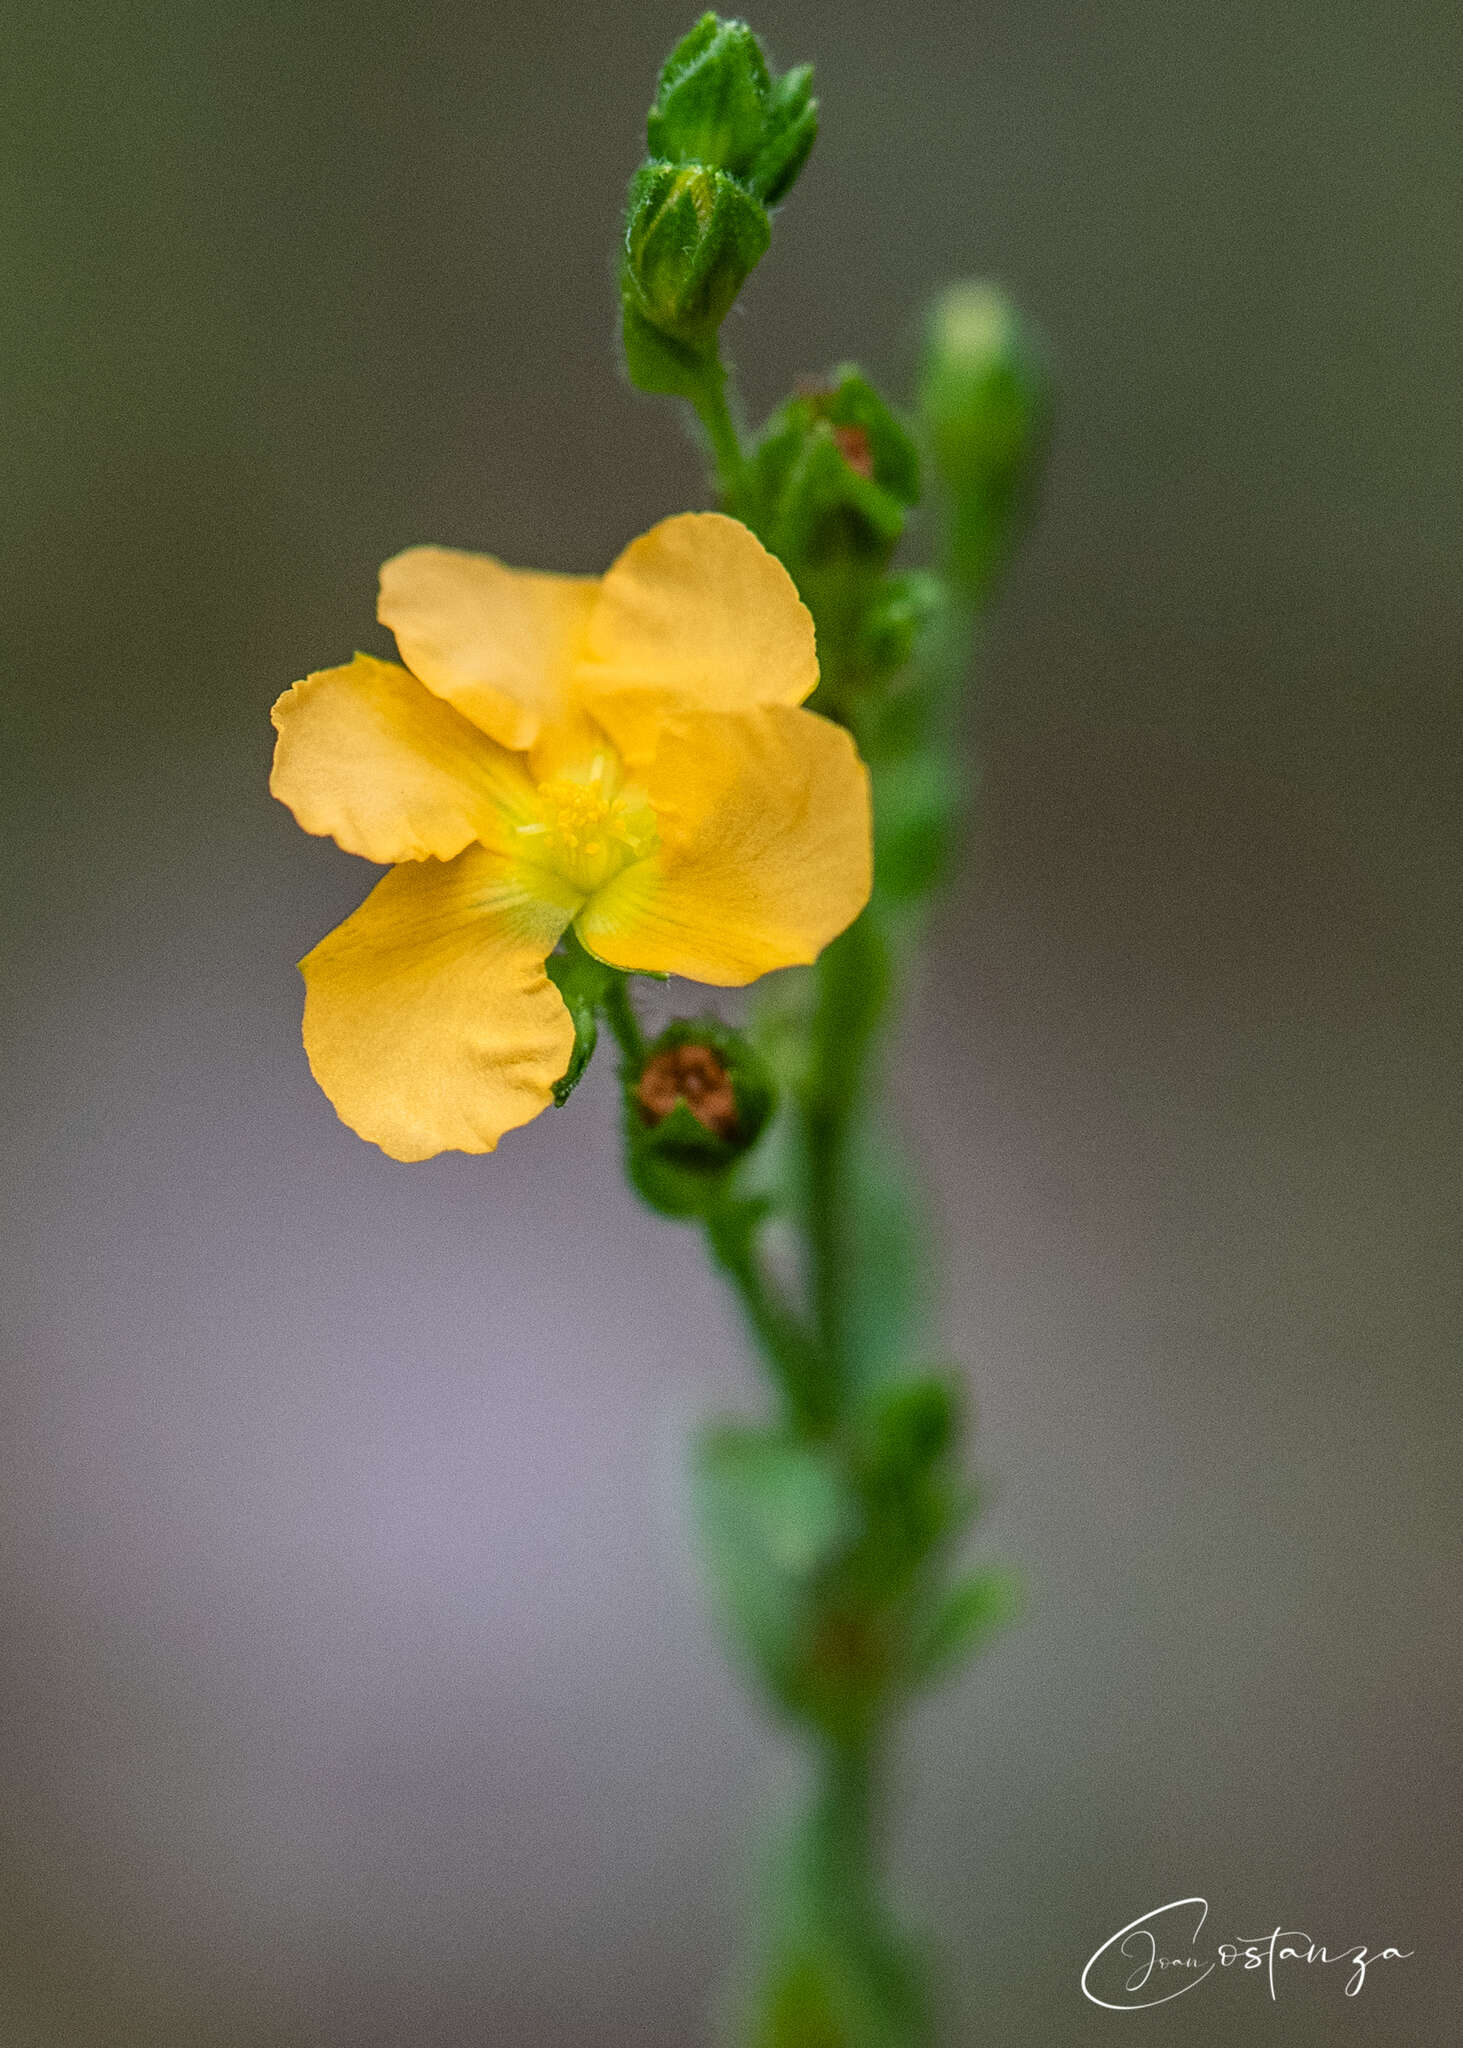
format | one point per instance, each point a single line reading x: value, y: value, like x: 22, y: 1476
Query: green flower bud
x: 692, y: 235
x: 699, y: 1103
x: 900, y: 617
x: 984, y: 410
x: 711, y: 100
x: 717, y: 104
x: 834, y: 475
x: 789, y: 135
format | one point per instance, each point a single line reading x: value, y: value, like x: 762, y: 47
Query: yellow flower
x: 624, y: 754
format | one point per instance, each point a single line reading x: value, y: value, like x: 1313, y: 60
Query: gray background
x: 357, y: 1690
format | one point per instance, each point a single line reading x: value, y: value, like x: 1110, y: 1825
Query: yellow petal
x: 697, y: 614
x: 429, y: 1020
x: 389, y: 771
x: 765, y: 850
x: 497, y: 643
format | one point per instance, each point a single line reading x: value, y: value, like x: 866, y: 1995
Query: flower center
x: 590, y: 824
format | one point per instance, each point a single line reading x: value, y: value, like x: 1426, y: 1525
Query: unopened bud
x: 836, y: 473
x: 692, y: 235
x: 711, y: 99
x: 791, y: 131
x: 901, y: 615
x: 984, y: 409
x: 852, y: 443
x: 718, y: 104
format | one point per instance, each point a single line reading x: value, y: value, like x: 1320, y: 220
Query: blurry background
x: 357, y: 1689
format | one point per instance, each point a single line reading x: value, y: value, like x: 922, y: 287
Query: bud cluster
x: 727, y: 138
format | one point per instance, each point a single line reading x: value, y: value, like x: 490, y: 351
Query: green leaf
x: 917, y: 803
x: 909, y: 1425
x: 837, y: 1975
x: 901, y: 615
x: 971, y: 1611
x: 824, y: 1992
x: 658, y: 364
x: 771, y: 1514
x: 582, y: 981
x: 776, y: 1499
x: 913, y: 1499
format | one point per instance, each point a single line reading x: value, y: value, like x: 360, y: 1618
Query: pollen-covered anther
x: 695, y: 1075
x: 589, y: 826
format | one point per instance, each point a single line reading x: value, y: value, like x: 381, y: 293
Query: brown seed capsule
x: 692, y: 1074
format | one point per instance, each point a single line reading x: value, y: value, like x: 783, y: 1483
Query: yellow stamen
x: 591, y: 824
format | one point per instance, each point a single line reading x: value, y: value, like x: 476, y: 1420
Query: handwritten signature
x: 1147, y: 1963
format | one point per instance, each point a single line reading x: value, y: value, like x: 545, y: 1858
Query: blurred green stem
x: 842, y: 1839
x: 800, y: 1366
x: 847, y: 1006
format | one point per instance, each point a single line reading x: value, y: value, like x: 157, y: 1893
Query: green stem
x: 827, y: 1132
x: 714, y: 409
x: 874, y: 1992
x: 842, y: 1835
x: 779, y: 1333
x: 619, y: 1013
x: 851, y: 978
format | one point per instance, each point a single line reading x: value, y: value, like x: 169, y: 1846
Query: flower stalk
x: 711, y: 400
x: 829, y: 1530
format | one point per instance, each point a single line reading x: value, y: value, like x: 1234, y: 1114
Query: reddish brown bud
x: 692, y: 1074
x: 852, y: 443
x: 849, y: 438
